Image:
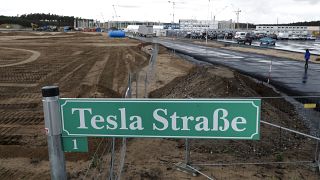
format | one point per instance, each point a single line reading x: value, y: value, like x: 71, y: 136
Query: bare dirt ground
x: 92, y: 65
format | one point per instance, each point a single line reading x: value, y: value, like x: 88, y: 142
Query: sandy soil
x: 10, y: 52
x: 92, y: 65
x: 9, y: 56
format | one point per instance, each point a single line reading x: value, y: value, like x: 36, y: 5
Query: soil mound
x: 205, y: 82
x: 219, y: 82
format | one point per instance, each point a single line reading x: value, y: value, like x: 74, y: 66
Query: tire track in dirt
x: 108, y: 74
x: 115, y: 72
x: 122, y: 71
x: 35, y: 55
x: 17, y: 115
x: 21, y: 116
x: 91, y: 80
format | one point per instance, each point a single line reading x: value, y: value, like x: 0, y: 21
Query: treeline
x: 311, y: 23
x: 39, y: 19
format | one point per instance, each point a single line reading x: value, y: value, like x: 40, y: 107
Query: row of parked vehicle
x: 239, y: 37
x: 212, y: 35
x: 247, y: 38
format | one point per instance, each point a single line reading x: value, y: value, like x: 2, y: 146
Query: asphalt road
x: 289, y: 45
x: 287, y: 75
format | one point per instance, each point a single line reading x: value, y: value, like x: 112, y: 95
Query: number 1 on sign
x: 75, y: 144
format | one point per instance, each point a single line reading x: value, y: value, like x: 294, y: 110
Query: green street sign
x: 75, y: 144
x: 196, y: 118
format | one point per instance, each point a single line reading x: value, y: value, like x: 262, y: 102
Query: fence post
x: 112, y: 159
x: 52, y: 118
x: 137, y: 81
x: 187, y: 152
x: 124, y: 140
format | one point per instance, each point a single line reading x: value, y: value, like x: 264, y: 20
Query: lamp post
x: 207, y: 22
x: 173, y: 4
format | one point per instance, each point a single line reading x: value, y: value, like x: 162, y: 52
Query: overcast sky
x: 255, y: 11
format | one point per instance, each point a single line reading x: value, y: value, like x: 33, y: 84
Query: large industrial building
x: 125, y: 24
x: 202, y: 25
x: 197, y: 25
x: 80, y: 23
x: 226, y: 25
x: 293, y: 30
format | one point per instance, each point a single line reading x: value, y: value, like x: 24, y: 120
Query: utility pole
x: 208, y: 23
x: 173, y: 4
x: 238, y: 14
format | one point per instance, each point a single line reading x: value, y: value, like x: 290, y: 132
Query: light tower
x: 238, y: 14
x: 173, y: 4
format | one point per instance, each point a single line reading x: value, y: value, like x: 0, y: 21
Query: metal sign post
x: 186, y: 167
x: 187, y: 151
x: 52, y: 117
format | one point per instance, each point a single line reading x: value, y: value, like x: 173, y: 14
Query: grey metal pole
x: 52, y: 118
x: 137, y: 81
x: 187, y: 152
x: 112, y: 159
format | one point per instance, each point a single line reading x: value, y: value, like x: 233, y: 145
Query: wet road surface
x: 287, y: 75
x: 289, y: 45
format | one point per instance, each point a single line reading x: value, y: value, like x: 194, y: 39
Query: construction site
x: 92, y: 65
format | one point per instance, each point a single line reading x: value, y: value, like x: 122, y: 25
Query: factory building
x: 125, y: 24
x: 197, y: 25
x: 171, y: 26
x: 202, y: 25
x: 226, y: 25
x: 292, y: 30
x: 80, y: 23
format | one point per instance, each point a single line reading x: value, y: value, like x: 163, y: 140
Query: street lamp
x: 173, y: 4
x: 207, y: 22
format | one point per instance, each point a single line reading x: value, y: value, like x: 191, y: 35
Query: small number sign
x: 75, y: 147
x: 75, y: 144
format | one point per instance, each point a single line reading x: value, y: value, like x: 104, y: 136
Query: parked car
x: 228, y: 36
x: 243, y: 37
x: 220, y: 36
x: 273, y: 36
x: 294, y: 37
x: 267, y: 41
x: 239, y: 35
x: 194, y: 35
x: 188, y: 36
x: 311, y: 37
x: 283, y: 36
x: 212, y: 36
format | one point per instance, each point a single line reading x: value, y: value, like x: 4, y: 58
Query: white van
x: 240, y: 35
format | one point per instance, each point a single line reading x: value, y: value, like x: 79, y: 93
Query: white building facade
x: 197, y: 25
x: 292, y: 30
x: 226, y: 25
x: 85, y: 23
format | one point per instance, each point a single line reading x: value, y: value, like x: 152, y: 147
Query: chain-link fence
x: 288, y: 147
